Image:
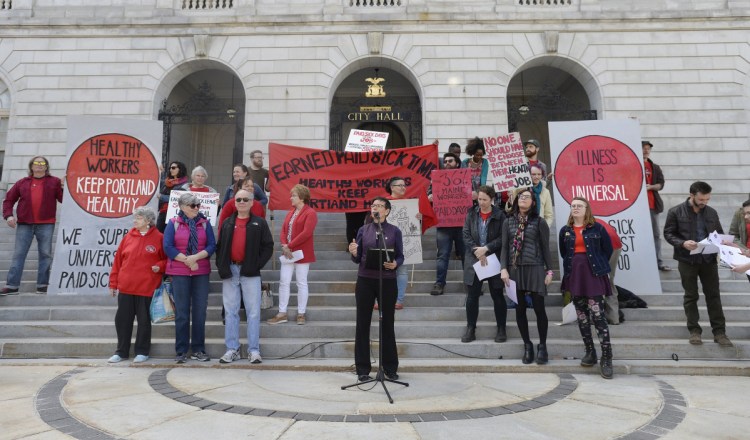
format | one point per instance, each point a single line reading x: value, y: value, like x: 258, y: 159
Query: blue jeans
x: 190, y: 301
x: 24, y: 234
x: 249, y: 288
x: 402, y: 279
x: 446, y: 237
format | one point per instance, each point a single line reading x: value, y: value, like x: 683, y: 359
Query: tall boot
x: 606, y: 362
x: 528, y: 353
x: 469, y: 335
x: 589, y: 359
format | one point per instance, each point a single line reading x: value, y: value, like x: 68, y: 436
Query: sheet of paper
x: 568, y: 314
x: 510, y: 290
x: 296, y: 256
x: 491, y: 269
x: 705, y: 247
x: 719, y: 239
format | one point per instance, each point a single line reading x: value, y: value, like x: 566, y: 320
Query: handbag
x: 266, y: 297
x: 162, y: 303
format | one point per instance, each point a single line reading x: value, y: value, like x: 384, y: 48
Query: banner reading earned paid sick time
x: 346, y: 181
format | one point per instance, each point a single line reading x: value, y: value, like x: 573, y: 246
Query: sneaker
x: 41, y: 289
x: 255, y: 358
x: 695, y: 338
x: 230, y: 356
x: 437, y: 289
x: 8, y: 291
x: 399, y: 306
x: 723, y: 340
x: 278, y: 319
x: 201, y: 356
x: 114, y: 359
x: 664, y: 268
x: 301, y: 319
x: 180, y: 358
x: 140, y: 359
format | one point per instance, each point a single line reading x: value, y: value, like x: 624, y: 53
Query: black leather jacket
x: 681, y: 226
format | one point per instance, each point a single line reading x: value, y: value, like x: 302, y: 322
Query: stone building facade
x: 298, y: 72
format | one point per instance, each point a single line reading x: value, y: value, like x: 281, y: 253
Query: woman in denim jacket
x: 585, y: 248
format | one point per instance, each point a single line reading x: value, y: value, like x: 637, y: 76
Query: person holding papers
x: 297, y: 251
x: 687, y: 224
x: 483, y: 239
x: 525, y: 260
x: 740, y: 229
x: 585, y: 248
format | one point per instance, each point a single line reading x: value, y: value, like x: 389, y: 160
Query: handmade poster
x: 509, y: 167
x: 361, y: 141
x: 404, y: 216
x: 112, y: 168
x: 451, y: 196
x: 209, y: 205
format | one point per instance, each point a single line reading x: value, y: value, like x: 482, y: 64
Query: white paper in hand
x: 296, y: 256
x: 510, y: 290
x: 490, y: 270
x: 569, y: 314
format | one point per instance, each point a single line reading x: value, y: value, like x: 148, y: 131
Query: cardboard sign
x: 209, y: 205
x: 602, y: 161
x: 361, y: 141
x: 341, y: 181
x: 112, y: 169
x: 451, y: 196
x: 509, y: 167
x: 404, y: 215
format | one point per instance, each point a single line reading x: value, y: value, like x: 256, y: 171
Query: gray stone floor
x: 279, y: 400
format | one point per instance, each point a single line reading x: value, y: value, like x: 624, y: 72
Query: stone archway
x: 5, y: 100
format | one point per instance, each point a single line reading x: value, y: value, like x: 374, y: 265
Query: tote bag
x: 162, y: 304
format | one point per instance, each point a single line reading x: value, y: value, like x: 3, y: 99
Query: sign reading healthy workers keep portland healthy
x: 112, y: 169
x: 602, y: 161
x: 508, y: 165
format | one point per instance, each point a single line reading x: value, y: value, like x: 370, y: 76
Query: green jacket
x: 738, y: 229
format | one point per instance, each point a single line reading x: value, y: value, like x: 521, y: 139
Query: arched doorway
x: 540, y: 94
x: 204, y: 124
x: 376, y: 99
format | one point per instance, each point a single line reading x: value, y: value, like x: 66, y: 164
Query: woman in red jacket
x: 37, y: 196
x: 296, y: 235
x: 136, y: 272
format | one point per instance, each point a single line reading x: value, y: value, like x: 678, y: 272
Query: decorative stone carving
x: 550, y: 41
x: 201, y: 44
x: 375, y: 42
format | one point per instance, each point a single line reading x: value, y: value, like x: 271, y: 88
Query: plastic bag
x: 266, y: 297
x: 162, y: 304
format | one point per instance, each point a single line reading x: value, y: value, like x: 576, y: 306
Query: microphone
x: 376, y: 215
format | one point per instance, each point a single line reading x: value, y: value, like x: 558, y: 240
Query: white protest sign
x: 404, y: 216
x: 364, y: 140
x: 209, y: 205
x: 112, y: 168
x: 509, y: 167
x: 603, y: 162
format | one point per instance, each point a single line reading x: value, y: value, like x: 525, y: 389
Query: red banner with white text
x: 342, y: 181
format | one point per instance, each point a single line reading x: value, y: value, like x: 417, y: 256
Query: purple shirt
x: 367, y: 239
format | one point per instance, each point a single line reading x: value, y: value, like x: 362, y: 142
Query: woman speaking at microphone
x: 366, y: 290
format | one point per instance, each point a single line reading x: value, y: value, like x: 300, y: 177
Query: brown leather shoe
x: 723, y: 340
x: 695, y: 338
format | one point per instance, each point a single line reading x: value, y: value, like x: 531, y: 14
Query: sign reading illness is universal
x: 602, y: 162
x: 112, y: 169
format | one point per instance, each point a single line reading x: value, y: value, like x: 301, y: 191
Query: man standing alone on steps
x: 686, y: 225
x: 654, y: 184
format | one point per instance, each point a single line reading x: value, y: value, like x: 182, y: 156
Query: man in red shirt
x: 654, y: 184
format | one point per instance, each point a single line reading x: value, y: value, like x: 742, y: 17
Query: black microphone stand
x: 380, y: 376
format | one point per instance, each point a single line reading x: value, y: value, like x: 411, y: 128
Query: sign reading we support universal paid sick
x: 508, y: 165
x: 112, y: 169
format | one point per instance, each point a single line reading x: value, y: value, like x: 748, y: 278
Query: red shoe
x: 399, y: 306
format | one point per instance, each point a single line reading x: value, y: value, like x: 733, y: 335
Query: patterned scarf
x: 291, y: 225
x: 192, y: 247
x: 177, y: 181
x: 518, y: 237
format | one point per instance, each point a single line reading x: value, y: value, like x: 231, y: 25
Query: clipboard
x: 374, y: 257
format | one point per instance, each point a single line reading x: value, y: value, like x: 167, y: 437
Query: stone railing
x: 207, y: 4
x: 551, y: 3
x: 364, y: 3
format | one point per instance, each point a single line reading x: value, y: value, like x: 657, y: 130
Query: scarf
x: 192, y: 247
x: 177, y: 181
x: 537, y: 189
x: 518, y: 237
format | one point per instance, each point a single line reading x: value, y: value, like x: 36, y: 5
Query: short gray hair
x: 188, y: 199
x: 199, y: 169
x: 147, y: 213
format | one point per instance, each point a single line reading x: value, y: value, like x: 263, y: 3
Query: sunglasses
x: 37, y: 162
x: 194, y: 205
x: 174, y: 167
x: 242, y: 199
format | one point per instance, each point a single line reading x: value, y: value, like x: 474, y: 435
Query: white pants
x: 285, y: 281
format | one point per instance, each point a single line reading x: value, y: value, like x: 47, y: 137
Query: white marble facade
x: 682, y: 72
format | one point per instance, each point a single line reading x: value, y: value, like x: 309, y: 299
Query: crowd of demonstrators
x: 525, y: 259
x: 136, y: 272
x: 239, y: 173
x: 372, y: 278
x: 740, y: 229
x: 482, y: 234
x: 297, y: 234
x: 586, y: 248
x: 686, y: 225
x: 245, y: 246
x: 654, y: 183
x: 176, y: 177
x: 189, y: 242
x: 37, y: 196
x: 447, y: 238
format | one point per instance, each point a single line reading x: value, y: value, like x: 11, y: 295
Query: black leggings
x: 541, y: 317
x: 591, y: 310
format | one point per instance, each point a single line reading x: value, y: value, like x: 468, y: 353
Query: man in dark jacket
x: 654, y: 184
x: 687, y: 224
x: 245, y: 246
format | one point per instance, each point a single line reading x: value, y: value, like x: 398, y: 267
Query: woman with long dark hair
x: 586, y: 248
x: 176, y: 177
x: 525, y: 259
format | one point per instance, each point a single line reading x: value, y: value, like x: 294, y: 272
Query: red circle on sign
x: 603, y: 170
x: 109, y: 175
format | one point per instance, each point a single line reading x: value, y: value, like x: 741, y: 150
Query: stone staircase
x: 46, y: 326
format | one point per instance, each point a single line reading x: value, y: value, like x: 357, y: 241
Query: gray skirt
x: 529, y: 278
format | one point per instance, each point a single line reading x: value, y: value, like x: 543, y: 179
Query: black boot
x: 528, y: 353
x: 606, y: 363
x: 541, y: 354
x: 589, y: 359
x: 469, y: 335
x: 501, y: 336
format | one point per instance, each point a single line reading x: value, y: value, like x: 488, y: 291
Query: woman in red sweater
x: 136, y: 272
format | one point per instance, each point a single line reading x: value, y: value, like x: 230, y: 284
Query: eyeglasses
x: 524, y: 197
x: 174, y: 167
x: 578, y: 206
x: 378, y: 206
x: 39, y: 162
x: 400, y: 185
x: 194, y: 205
x: 242, y: 199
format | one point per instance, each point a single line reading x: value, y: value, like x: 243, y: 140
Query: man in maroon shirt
x: 654, y: 184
